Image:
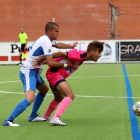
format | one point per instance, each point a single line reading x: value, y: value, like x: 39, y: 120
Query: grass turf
x: 88, y: 118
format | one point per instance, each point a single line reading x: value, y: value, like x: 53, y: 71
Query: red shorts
x: 54, y: 79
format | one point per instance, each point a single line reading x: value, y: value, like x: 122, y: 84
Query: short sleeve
x: 46, y: 46
x: 26, y: 37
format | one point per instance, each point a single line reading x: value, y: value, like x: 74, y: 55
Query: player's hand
x: 36, y: 62
x: 71, y: 66
x: 75, y: 44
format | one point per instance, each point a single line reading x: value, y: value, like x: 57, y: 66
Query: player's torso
x: 65, y: 72
x: 36, y: 51
x: 22, y: 37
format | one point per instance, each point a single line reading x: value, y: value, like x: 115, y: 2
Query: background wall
x: 78, y: 19
x: 128, y: 23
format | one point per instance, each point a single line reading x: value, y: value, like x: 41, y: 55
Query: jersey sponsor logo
x: 49, y: 50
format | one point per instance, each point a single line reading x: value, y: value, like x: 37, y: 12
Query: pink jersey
x: 75, y: 57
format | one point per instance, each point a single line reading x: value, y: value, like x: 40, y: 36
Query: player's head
x: 22, y: 30
x: 52, y: 29
x: 94, y: 50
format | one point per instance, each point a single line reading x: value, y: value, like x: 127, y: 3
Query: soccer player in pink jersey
x: 56, y: 77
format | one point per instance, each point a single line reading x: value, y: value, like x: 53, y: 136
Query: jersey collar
x: 47, y: 36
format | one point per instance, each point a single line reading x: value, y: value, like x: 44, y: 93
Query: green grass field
x: 97, y: 112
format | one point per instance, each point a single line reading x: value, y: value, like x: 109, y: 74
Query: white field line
x: 76, y: 95
x: 9, y: 81
x: 81, y: 77
x: 113, y: 76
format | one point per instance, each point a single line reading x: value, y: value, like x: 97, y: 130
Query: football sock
x: 19, y: 109
x: 20, y: 58
x: 37, y: 103
x: 52, y: 106
x: 62, y: 107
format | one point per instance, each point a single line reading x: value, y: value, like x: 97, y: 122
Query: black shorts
x: 22, y: 48
x: 57, y: 84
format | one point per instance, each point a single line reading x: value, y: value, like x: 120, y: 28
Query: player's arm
x: 52, y: 63
x: 65, y: 46
x: 17, y: 40
x: 60, y: 54
x: 38, y: 61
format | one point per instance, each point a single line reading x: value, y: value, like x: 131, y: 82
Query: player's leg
x: 29, y: 83
x: 66, y: 91
x: 21, y: 50
x: 53, y: 104
x: 20, y: 57
x: 43, y: 89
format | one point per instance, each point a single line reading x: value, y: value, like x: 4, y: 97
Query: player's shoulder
x: 19, y: 34
x: 24, y: 33
x: 44, y: 41
x: 77, y: 51
x: 45, y: 38
x: 81, y: 52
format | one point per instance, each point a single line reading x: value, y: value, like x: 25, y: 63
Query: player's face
x: 55, y: 33
x: 95, y: 55
x: 22, y: 30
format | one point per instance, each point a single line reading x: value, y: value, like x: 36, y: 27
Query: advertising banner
x: 129, y: 51
x: 9, y: 53
x: 109, y: 53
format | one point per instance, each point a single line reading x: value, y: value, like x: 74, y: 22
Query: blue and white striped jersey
x: 41, y: 47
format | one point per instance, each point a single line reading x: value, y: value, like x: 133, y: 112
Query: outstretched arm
x: 66, y: 46
x: 60, y: 54
x: 51, y: 62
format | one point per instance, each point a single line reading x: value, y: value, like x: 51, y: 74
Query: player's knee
x: 45, y: 91
x: 30, y: 99
x: 72, y: 96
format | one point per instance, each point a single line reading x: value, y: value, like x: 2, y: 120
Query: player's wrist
x: 65, y: 65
